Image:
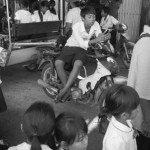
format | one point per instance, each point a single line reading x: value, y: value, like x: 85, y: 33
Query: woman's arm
x: 101, y: 38
x: 67, y: 28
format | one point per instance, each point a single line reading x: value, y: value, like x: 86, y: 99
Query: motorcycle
x: 43, y: 58
x: 124, y: 47
x: 85, y: 89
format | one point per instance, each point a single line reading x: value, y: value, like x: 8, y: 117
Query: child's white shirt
x: 48, y: 16
x: 23, y: 16
x: 25, y: 146
x: 79, y: 37
x: 73, y: 16
x: 119, y: 137
x: 36, y: 17
x: 108, y: 22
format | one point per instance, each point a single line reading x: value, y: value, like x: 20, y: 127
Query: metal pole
x: 8, y: 20
x: 61, y: 14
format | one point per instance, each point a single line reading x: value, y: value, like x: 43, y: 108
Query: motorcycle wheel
x: 125, y: 61
x: 49, y: 74
x: 32, y: 67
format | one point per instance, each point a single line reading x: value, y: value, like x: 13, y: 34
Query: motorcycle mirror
x: 109, y: 59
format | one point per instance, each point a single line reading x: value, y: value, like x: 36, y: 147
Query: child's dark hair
x: 69, y: 126
x: 52, y: 1
x: 77, y: 3
x: 106, y: 9
x: 45, y: 4
x: 87, y: 10
x: 35, y: 6
x: 38, y: 123
x: 119, y: 99
x: 24, y: 3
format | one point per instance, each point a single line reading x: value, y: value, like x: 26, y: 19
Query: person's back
x: 121, y: 105
x: 138, y: 77
x: 73, y: 16
x: 23, y: 15
x: 118, y: 133
x: 38, y: 124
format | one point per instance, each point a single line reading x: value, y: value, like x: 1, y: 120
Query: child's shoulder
x: 21, y: 146
x: 78, y: 24
x: 22, y: 11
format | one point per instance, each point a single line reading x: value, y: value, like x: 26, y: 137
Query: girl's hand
x: 103, y: 37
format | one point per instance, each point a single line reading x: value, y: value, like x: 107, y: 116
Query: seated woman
x: 23, y: 15
x: 47, y: 15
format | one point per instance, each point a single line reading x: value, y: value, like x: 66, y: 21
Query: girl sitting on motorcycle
x: 108, y: 22
x: 74, y: 52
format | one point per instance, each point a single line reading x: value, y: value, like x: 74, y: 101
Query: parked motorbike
x: 123, y: 48
x: 85, y: 89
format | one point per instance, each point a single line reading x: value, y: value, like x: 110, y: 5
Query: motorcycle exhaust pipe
x: 46, y: 85
x: 120, y: 80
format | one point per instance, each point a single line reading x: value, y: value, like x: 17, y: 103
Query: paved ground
x: 21, y: 89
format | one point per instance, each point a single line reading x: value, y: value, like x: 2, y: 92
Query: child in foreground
x: 71, y: 132
x: 38, y: 124
x: 121, y: 103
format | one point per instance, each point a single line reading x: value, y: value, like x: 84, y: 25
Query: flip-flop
x: 64, y: 98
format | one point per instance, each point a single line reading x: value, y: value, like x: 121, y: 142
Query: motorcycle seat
x: 50, y: 50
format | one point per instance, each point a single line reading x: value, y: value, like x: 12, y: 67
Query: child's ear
x: 21, y: 126
x: 64, y: 145
x: 125, y: 115
x: 82, y: 18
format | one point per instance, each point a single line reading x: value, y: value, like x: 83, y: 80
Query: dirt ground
x: 21, y: 89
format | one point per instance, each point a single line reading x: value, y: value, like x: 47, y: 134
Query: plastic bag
x: 4, y: 56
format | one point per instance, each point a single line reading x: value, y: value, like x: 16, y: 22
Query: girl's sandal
x: 64, y: 98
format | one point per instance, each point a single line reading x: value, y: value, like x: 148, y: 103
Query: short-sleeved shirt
x: 79, y: 37
x: 108, y: 22
x: 36, y: 17
x: 23, y: 16
x: 48, y: 16
x: 25, y: 146
x: 119, y: 136
x: 73, y: 16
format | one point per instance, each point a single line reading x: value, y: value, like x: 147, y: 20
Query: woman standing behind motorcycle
x: 108, y: 22
x: 73, y: 16
x: 75, y: 49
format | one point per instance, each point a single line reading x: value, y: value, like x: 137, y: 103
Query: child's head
x: 52, y: 3
x: 122, y: 102
x: 75, y: 4
x: 35, y: 6
x: 105, y: 11
x: 71, y: 131
x: 44, y: 6
x: 88, y: 15
x: 24, y: 4
x: 38, y: 123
